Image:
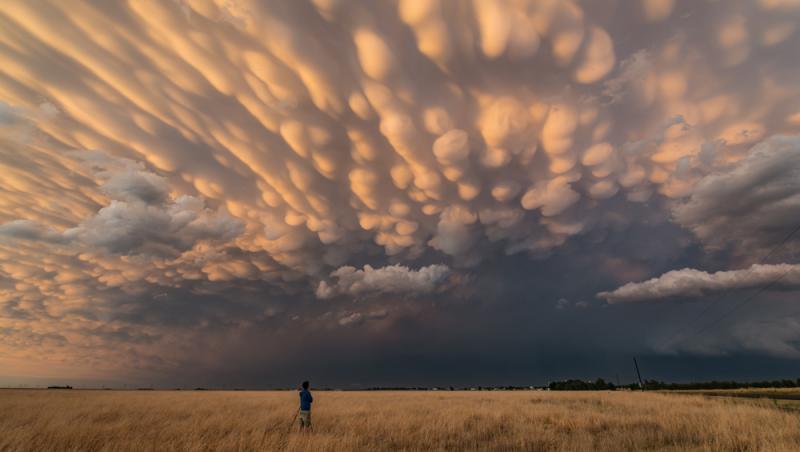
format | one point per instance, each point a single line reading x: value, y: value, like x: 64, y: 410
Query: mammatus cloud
x: 249, y: 151
x: 695, y: 283
x: 330, y: 151
x: 392, y: 279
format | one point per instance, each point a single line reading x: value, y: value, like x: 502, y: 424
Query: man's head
x: 305, y: 385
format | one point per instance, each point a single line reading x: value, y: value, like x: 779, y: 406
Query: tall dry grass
x: 237, y: 421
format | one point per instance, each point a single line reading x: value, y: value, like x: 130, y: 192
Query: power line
x: 737, y: 306
x: 719, y: 295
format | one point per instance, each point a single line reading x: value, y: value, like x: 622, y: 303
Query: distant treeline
x: 602, y: 385
x: 653, y: 384
x: 580, y: 385
x: 438, y: 388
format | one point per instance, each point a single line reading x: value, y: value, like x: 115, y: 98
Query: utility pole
x: 638, y: 375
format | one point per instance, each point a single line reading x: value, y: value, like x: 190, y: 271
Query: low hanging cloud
x: 691, y: 283
x: 125, y: 227
x: 351, y: 319
x: 141, y: 217
x: 392, y: 279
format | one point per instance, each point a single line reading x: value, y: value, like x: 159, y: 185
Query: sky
x: 231, y: 193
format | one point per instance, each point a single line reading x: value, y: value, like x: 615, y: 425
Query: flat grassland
x: 63, y: 420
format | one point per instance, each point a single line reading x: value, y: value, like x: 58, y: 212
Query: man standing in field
x: 305, y: 408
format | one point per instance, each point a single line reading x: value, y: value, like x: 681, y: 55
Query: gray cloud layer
x: 753, y: 202
x: 139, y: 218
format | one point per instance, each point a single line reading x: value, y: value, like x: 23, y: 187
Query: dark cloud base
x: 510, y: 331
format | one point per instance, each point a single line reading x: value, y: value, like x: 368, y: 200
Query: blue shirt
x: 305, y: 400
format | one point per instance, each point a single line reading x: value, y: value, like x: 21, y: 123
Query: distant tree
x: 655, y: 385
x: 580, y: 385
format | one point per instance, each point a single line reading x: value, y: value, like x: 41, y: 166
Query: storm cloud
x: 189, y: 174
x: 755, y: 201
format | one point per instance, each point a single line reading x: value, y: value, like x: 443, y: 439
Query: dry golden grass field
x: 62, y: 420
